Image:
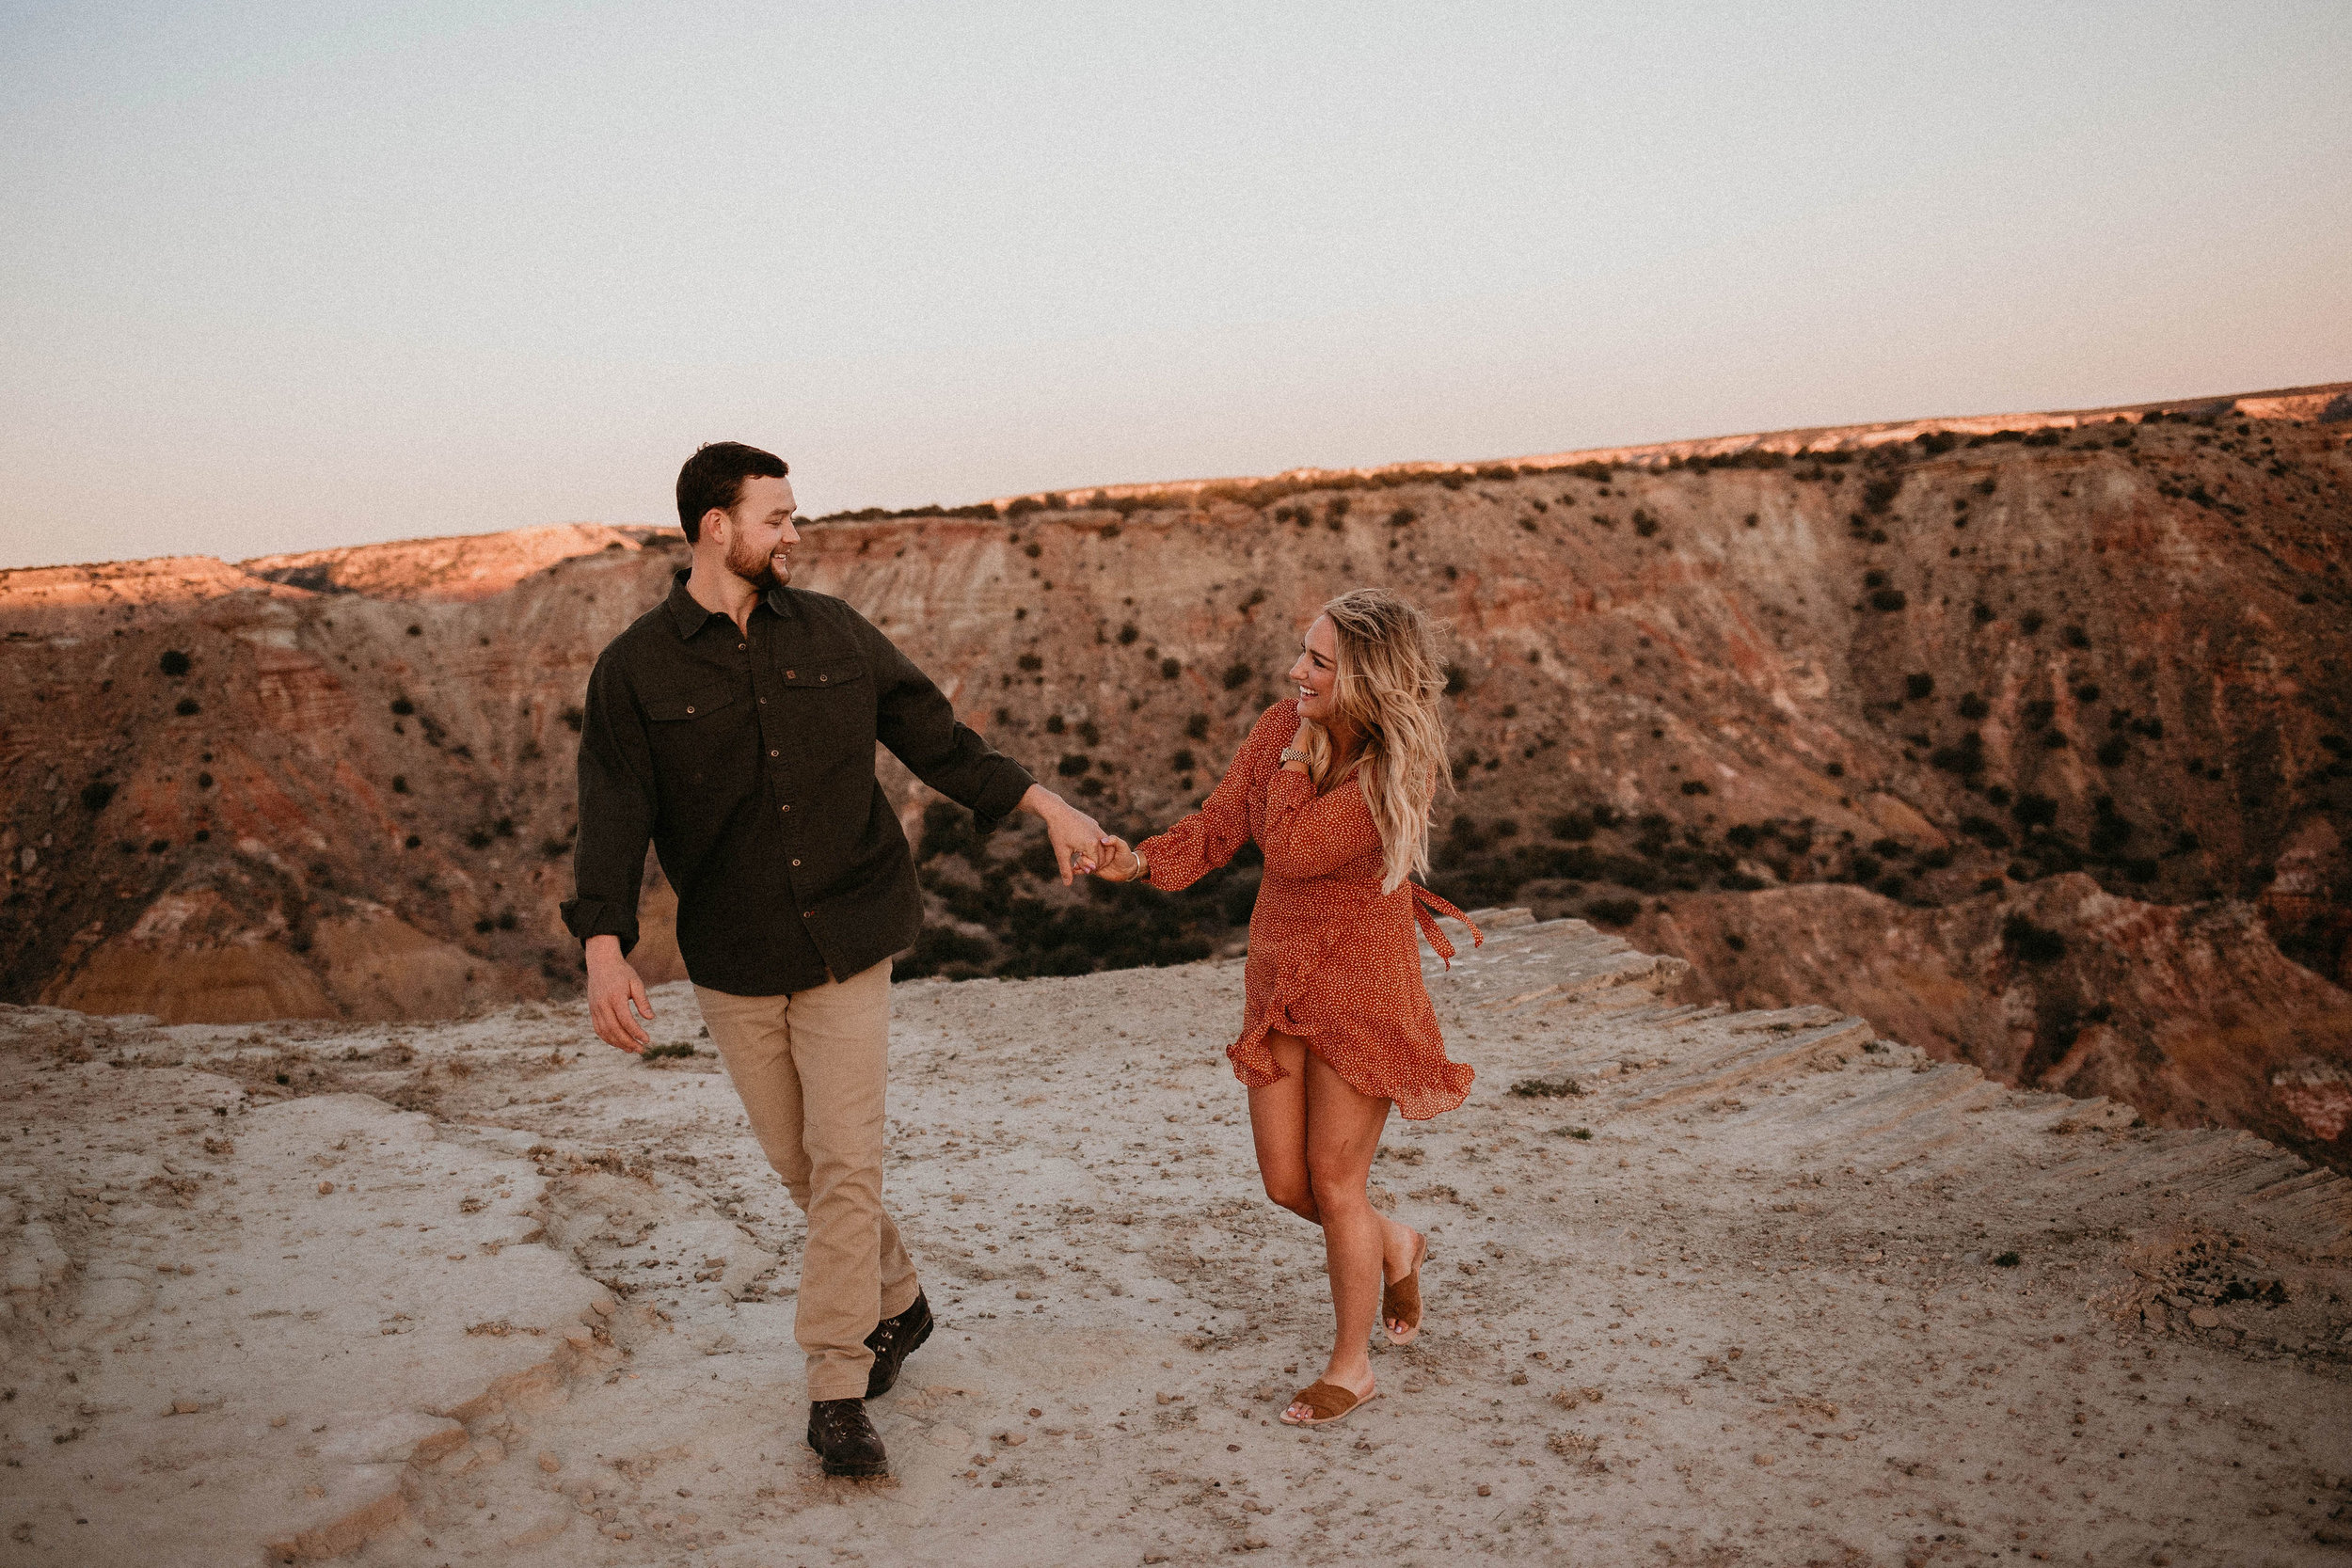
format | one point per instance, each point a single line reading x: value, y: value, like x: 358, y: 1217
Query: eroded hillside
x: 1958, y: 700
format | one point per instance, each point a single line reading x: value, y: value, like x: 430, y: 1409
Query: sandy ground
x: 1739, y: 1290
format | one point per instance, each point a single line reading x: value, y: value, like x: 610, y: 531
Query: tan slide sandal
x: 1328, y: 1400
x: 1400, y: 1303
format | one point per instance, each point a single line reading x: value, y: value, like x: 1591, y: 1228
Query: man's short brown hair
x: 714, y: 476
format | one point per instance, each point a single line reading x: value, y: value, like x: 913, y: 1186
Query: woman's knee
x: 1336, y: 1186
x: 1292, y: 1191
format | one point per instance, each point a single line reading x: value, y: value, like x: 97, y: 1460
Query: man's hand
x: 1076, y: 836
x: 614, y: 991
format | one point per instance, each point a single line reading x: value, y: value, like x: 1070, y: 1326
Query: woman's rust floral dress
x: 1332, y: 958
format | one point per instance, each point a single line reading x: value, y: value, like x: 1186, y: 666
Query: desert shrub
x: 1985, y: 830
x: 1456, y: 680
x: 2034, y: 811
x: 400, y: 784
x: 1402, y: 515
x: 2075, y: 637
x: 1935, y: 443
x: 1744, y: 835
x: 402, y: 707
x: 573, y: 719
x: 1612, y: 912
x: 1088, y: 733
x: 1879, y: 494
x: 1981, y: 611
x: 1197, y: 727
x: 1184, y: 761
x: 1170, y: 669
x: 1030, y: 663
x: 1054, y: 723
x: 1074, y: 764
x: 1694, y: 786
x: 2038, y: 713
x: 1547, y: 1088
x: 2113, y: 751
x: 2086, y: 692
x: 1237, y: 675
x: 2030, y: 622
x: 1597, y: 471
x: 1888, y: 600
x: 2031, y: 944
x: 175, y: 663
x: 2151, y: 727
x: 1866, y: 868
x: 1973, y: 707
x: 1966, y: 757
x: 187, y: 707
x: 1127, y: 634
x: 1644, y: 523
x: 937, y: 947
x: 96, y: 794
x: 1919, y: 687
x: 1574, y: 827
x: 947, y: 830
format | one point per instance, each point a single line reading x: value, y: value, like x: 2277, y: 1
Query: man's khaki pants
x: 811, y: 1067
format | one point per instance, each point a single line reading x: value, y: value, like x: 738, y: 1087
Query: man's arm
x: 616, y: 814
x: 919, y: 725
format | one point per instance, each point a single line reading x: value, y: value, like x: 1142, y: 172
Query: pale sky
x: 276, y: 277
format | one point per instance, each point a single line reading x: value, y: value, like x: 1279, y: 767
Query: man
x: 734, y: 726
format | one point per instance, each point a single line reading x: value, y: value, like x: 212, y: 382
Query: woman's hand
x: 1117, y: 862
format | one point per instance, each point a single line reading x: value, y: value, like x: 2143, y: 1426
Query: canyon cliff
x: 2023, y: 735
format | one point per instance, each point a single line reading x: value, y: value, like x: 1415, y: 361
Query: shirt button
x: 788, y: 675
x: 740, y: 646
x: 690, y: 707
x: 796, y: 863
x: 808, y: 914
x: 772, y: 754
x: 784, y: 808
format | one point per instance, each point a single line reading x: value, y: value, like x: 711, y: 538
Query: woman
x: 1335, y: 787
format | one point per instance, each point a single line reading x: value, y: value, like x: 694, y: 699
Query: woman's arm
x: 1310, y: 835
x: 1214, y: 834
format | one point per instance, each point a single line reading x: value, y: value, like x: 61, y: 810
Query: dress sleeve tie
x: 1424, y: 903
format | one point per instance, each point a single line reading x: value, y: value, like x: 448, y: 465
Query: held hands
x: 1076, y: 836
x: 615, y: 991
x: 1120, y: 862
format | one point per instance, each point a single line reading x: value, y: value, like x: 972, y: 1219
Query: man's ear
x: 719, y: 513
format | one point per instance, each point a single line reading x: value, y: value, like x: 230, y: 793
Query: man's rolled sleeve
x: 919, y: 725
x: 616, y: 814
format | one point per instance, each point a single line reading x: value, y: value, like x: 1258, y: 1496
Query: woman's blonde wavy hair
x: 1387, y: 687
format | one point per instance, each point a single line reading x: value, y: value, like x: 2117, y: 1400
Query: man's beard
x: 756, y: 568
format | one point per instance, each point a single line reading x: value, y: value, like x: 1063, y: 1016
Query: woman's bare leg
x: 1342, y: 1133
x: 1278, y: 1124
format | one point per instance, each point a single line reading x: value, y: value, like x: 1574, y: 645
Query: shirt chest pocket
x: 683, y: 707
x: 823, y: 675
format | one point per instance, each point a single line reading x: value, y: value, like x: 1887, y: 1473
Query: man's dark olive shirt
x: 747, y: 758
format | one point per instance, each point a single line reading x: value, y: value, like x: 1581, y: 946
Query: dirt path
x: 1743, y: 1294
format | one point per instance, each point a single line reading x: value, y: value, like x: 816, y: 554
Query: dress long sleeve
x: 1228, y: 819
